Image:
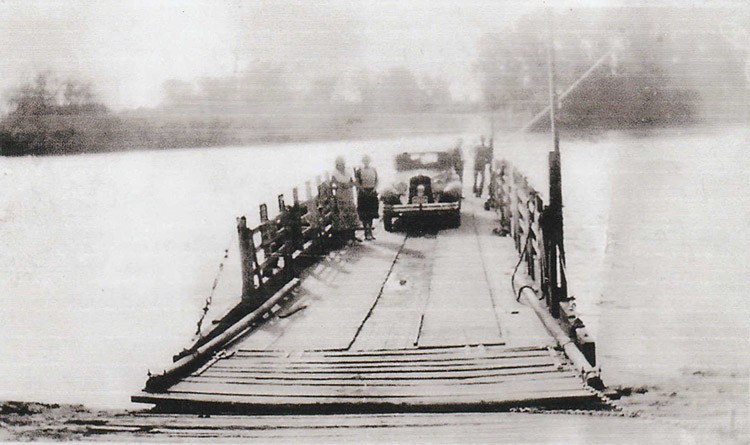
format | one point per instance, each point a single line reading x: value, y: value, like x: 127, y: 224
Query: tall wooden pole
x: 555, y: 245
x: 552, y: 85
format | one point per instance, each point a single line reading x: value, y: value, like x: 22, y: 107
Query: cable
x: 210, y: 297
x: 520, y: 290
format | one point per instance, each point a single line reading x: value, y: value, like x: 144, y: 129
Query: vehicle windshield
x: 431, y: 160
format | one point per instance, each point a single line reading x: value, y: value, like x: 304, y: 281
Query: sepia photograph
x: 375, y: 221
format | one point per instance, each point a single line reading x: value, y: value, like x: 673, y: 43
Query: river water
x: 107, y: 258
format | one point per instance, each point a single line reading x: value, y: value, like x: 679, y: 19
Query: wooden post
x: 531, y: 249
x: 246, y: 259
x: 515, y: 208
x: 554, y: 223
x: 539, y: 241
x: 505, y: 218
x: 264, y: 229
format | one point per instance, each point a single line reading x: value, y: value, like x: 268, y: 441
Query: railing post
x: 539, y: 241
x: 515, y: 212
x: 289, y: 219
x: 308, y: 191
x: 531, y: 250
x: 324, y: 202
x: 246, y: 259
x: 505, y: 220
x: 511, y: 190
x: 264, y: 229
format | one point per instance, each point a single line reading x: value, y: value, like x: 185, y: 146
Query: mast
x: 552, y: 85
x: 554, y: 239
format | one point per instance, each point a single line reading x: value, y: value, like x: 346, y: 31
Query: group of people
x: 366, y: 209
x: 365, y: 180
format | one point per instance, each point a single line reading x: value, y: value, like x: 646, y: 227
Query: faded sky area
x: 129, y: 48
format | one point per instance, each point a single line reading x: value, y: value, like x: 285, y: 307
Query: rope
x: 210, y: 298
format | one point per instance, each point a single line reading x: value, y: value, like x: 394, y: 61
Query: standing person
x: 345, y: 223
x: 367, y: 196
x: 458, y: 161
x: 480, y: 164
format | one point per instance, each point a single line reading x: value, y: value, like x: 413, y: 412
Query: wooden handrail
x: 190, y: 362
x: 522, y: 214
x: 274, y: 251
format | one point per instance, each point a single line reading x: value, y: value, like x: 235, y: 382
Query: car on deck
x: 427, y: 190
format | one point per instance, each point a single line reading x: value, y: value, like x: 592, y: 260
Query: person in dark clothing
x: 481, y: 155
x: 367, y: 195
x: 457, y: 159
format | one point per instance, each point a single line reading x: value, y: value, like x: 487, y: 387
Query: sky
x: 128, y: 48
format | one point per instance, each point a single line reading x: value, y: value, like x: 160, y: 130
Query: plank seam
x: 380, y: 293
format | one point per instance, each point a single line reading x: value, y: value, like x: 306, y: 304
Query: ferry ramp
x: 408, y: 322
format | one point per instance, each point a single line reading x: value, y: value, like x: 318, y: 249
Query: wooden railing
x: 277, y: 249
x: 271, y: 254
x: 525, y: 217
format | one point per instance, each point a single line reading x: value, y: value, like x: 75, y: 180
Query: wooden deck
x: 404, y: 323
x: 472, y: 427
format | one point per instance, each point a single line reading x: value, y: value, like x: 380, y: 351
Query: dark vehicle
x: 427, y: 189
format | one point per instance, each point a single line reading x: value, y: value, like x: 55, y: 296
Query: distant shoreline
x: 390, y: 126
x: 122, y: 133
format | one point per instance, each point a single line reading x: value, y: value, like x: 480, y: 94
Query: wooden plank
x: 401, y: 367
x: 427, y: 399
x: 433, y: 374
x: 435, y: 350
x: 472, y: 427
x: 378, y: 391
x: 391, y: 359
x: 357, y: 380
x: 312, y: 422
x: 364, y: 403
x: 340, y: 361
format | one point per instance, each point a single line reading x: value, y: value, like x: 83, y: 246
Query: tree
x: 49, y: 116
x: 641, y: 90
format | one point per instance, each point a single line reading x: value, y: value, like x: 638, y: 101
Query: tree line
x: 665, y: 67
x: 661, y: 71
x: 64, y: 116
